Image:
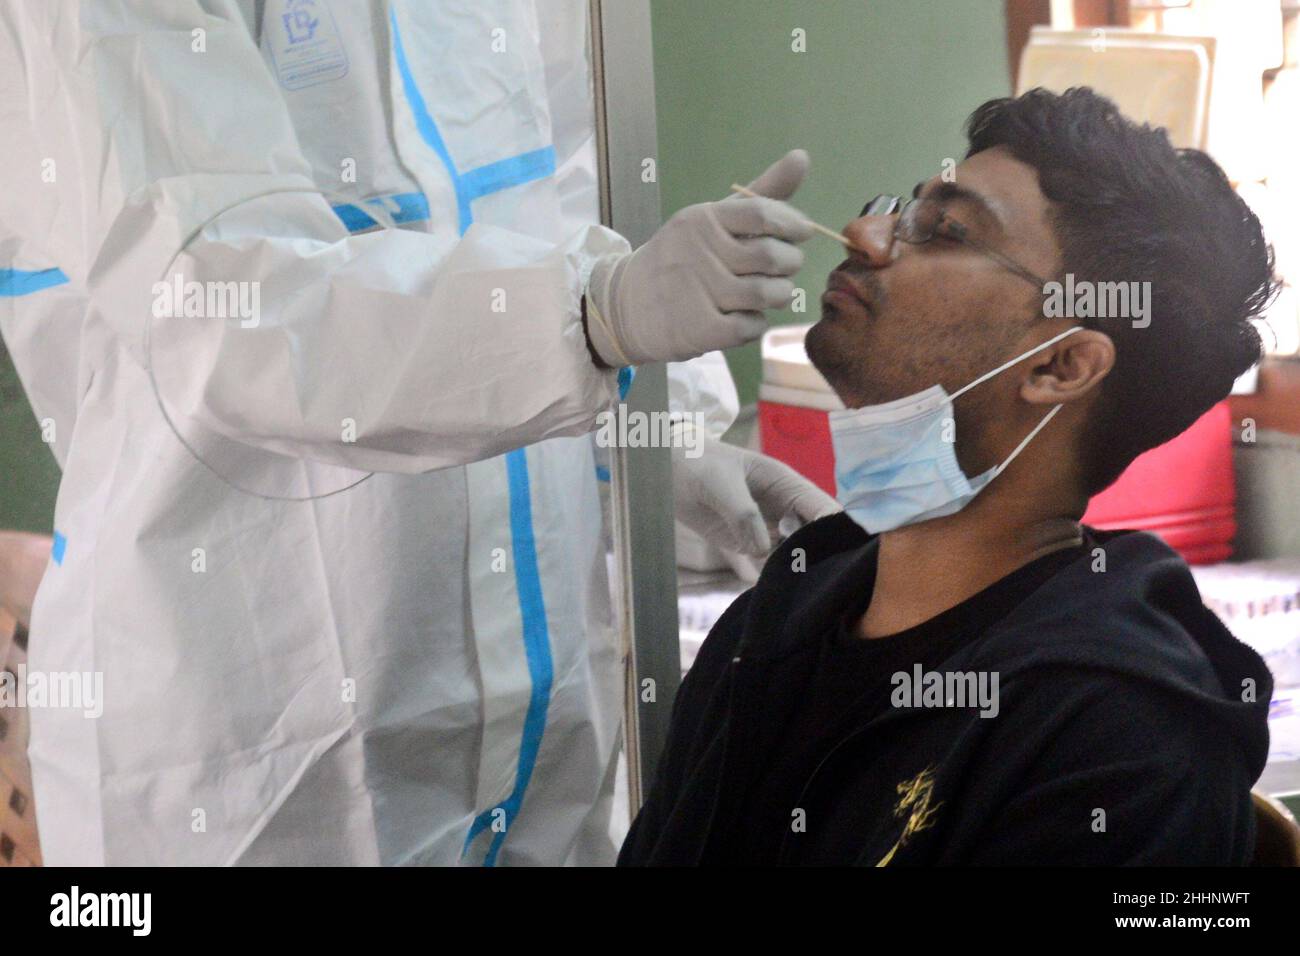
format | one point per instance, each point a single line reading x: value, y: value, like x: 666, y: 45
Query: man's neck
x: 923, y: 570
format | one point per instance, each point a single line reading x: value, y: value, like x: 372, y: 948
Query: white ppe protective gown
x: 421, y: 669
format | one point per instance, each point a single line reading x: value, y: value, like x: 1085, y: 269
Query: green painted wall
x: 29, y: 475
x: 878, y: 100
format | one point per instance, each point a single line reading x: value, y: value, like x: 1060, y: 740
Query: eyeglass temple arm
x: 1038, y: 282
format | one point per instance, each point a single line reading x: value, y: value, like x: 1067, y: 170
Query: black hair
x: 1128, y: 206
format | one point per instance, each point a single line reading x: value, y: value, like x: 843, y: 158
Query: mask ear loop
x: 1019, y: 358
x: 1027, y: 439
x: 376, y: 212
x: 1002, y: 368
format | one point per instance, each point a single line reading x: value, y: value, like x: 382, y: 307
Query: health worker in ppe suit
x: 411, y: 666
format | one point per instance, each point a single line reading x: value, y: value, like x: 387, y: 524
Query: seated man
x: 955, y: 670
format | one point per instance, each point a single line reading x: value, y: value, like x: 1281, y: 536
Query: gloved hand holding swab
x: 837, y: 236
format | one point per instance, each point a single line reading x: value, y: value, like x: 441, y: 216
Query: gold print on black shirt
x: 913, y: 803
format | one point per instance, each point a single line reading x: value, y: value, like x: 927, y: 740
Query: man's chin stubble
x: 833, y: 363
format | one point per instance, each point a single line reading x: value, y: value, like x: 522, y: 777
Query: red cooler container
x: 1183, y: 491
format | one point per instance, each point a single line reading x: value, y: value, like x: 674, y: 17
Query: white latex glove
x: 730, y: 496
x: 696, y: 554
x: 704, y: 278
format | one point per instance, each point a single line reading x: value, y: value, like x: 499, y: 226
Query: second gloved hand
x: 730, y: 495
x: 704, y: 279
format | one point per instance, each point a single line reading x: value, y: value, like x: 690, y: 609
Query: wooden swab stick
x: 837, y: 236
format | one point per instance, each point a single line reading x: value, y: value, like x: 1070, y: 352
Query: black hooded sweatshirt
x: 1130, y: 724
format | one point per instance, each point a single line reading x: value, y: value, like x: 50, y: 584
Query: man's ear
x: 1071, y: 369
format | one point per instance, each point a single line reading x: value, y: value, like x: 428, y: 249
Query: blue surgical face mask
x: 896, y: 464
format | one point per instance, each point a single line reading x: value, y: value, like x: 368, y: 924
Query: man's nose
x: 873, y: 239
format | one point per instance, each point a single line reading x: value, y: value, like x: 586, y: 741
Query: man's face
x: 941, y: 312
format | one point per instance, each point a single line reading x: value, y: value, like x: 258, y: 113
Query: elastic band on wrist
x: 594, y: 312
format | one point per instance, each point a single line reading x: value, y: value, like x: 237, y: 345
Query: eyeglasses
x: 921, y: 219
